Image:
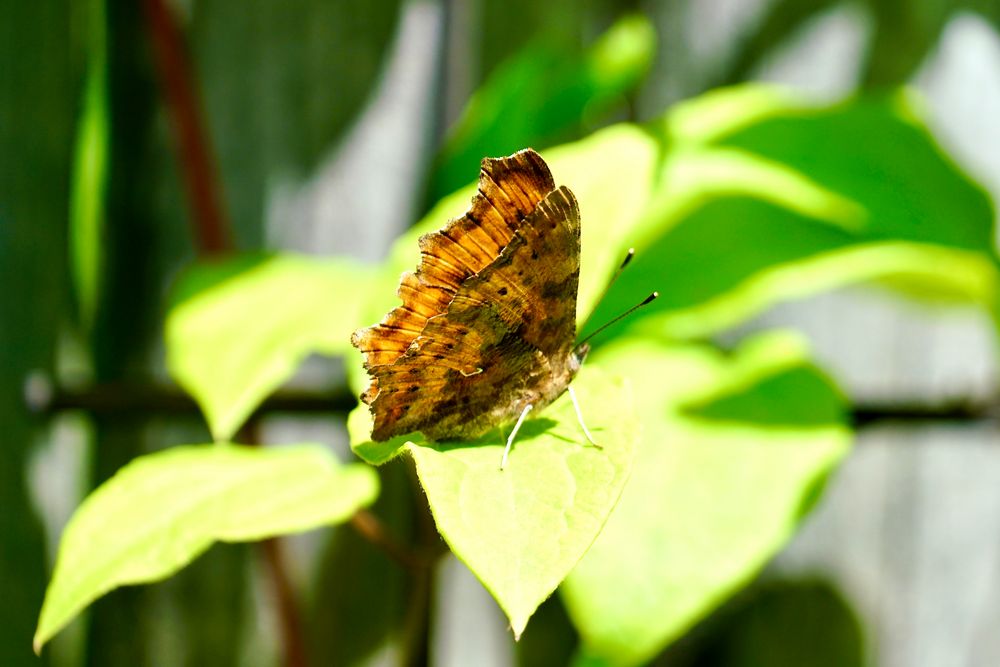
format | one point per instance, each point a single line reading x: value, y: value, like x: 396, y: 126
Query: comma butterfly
x: 487, y: 328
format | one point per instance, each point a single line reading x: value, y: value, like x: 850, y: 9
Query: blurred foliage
x: 550, y: 638
x: 275, y: 109
x: 38, y: 105
x: 90, y: 172
x: 778, y: 623
x: 351, y: 618
x: 830, y: 195
x: 734, y: 448
x: 162, y: 510
x: 540, y: 97
x: 903, y: 34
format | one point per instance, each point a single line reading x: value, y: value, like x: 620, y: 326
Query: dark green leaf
x: 542, y: 96
x: 762, y: 199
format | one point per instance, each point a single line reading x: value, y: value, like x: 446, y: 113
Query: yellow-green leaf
x: 162, y: 510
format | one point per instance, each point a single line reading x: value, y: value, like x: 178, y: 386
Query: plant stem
x: 288, y: 613
x: 371, y: 528
x: 289, y: 620
x: 210, y: 224
x: 212, y: 234
x: 420, y: 608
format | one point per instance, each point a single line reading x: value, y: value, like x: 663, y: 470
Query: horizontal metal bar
x: 145, y: 400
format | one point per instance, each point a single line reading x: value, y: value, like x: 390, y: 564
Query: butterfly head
x: 578, y: 356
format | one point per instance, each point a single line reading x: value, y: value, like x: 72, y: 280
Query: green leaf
x: 541, y: 96
x: 90, y: 171
x: 522, y: 529
x: 240, y: 329
x: 162, y: 510
x: 877, y: 152
x: 359, y: 426
x: 715, y: 491
x: 763, y: 199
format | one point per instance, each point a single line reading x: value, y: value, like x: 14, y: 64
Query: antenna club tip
x: 650, y: 298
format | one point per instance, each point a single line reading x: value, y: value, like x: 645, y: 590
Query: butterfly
x: 487, y: 327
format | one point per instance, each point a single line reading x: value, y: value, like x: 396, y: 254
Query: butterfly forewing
x: 504, y: 340
x: 509, y: 189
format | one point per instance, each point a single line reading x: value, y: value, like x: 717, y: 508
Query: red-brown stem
x: 210, y: 224
x: 212, y: 232
x: 212, y: 235
x: 288, y: 611
x: 371, y: 528
x: 290, y: 623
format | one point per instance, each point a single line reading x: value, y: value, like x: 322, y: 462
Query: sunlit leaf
x: 520, y: 530
x: 722, y: 475
x: 162, y: 510
x: 359, y: 426
x: 239, y: 329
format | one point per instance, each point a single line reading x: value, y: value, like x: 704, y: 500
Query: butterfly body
x: 488, y: 321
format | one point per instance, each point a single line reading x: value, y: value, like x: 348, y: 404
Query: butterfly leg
x: 579, y: 417
x: 510, y: 438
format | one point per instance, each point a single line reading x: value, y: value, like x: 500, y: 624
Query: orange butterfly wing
x: 509, y: 189
x: 504, y: 339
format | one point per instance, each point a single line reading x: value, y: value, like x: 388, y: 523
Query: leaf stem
x: 288, y: 613
x: 210, y: 224
x: 289, y: 620
x: 371, y: 528
x: 420, y: 607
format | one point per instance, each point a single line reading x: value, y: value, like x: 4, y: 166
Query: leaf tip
x: 517, y: 626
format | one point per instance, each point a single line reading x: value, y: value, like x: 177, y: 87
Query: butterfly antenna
x: 621, y: 267
x: 649, y: 299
